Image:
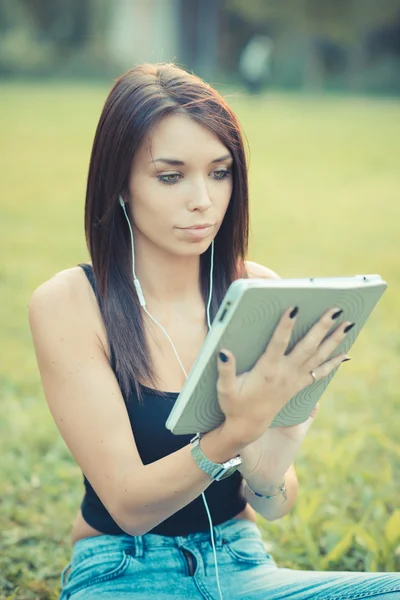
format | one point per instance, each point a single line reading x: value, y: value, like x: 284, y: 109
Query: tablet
x: 245, y: 322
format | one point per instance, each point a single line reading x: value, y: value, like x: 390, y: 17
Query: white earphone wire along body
x: 143, y: 305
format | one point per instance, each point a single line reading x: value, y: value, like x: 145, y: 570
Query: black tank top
x: 154, y: 441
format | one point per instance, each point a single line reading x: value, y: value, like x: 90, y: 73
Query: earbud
x: 122, y: 203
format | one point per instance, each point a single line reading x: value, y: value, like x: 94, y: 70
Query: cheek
x: 152, y: 210
x: 146, y: 215
x: 145, y: 197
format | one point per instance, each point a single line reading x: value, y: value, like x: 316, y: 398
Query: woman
x: 166, y: 223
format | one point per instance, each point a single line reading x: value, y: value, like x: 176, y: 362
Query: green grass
x: 324, y: 182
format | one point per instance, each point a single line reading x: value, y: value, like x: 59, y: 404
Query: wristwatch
x: 217, y: 471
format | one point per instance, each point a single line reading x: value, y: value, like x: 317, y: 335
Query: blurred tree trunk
x: 65, y: 22
x: 200, y: 26
x: 359, y: 22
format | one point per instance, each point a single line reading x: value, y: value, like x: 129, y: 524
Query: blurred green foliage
x: 324, y: 183
x: 317, y: 44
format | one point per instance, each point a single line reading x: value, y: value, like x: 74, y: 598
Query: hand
x: 251, y: 401
x: 265, y: 461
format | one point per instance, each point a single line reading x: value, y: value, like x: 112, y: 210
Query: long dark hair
x: 138, y: 100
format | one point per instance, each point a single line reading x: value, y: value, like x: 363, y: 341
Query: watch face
x: 232, y: 467
x: 228, y: 473
x: 235, y: 462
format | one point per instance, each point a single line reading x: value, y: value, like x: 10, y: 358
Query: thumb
x: 226, y: 365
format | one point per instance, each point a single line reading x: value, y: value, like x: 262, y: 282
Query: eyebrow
x: 175, y: 162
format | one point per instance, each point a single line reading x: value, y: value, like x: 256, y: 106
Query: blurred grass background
x: 324, y: 189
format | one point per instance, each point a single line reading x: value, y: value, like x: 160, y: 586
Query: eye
x: 173, y: 178
x: 222, y: 174
x: 166, y: 178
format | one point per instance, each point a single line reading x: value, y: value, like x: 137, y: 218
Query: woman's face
x: 180, y: 178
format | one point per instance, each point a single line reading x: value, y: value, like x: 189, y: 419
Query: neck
x: 168, y: 280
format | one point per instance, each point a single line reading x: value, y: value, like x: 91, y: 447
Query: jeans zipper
x: 190, y: 561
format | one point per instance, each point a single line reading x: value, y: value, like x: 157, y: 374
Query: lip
x: 204, y: 226
x: 198, y: 232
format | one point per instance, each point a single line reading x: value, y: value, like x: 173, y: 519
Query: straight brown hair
x: 137, y: 101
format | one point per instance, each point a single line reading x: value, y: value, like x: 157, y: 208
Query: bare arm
x: 274, y: 508
x: 278, y: 507
x: 87, y: 406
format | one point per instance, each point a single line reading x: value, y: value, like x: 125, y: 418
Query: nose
x: 199, y: 197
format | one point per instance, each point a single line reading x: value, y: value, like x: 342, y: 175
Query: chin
x: 193, y: 249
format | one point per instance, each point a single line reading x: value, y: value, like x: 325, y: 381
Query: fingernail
x: 337, y: 314
x: 346, y: 359
x: 294, y: 312
x: 223, y: 357
x: 347, y: 329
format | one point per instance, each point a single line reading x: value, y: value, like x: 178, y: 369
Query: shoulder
x: 254, y: 271
x: 66, y: 298
x: 64, y: 287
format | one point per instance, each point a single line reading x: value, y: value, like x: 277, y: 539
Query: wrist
x: 245, y: 432
x: 267, y: 490
x: 279, y: 492
x: 266, y: 484
x: 216, y: 470
x: 219, y: 446
x: 235, y: 435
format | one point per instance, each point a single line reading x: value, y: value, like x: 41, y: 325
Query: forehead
x: 179, y: 136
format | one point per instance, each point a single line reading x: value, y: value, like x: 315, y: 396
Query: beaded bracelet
x: 281, y: 490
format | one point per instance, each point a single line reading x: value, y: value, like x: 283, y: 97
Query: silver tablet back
x: 244, y: 324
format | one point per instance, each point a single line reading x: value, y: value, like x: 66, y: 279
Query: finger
x: 280, y: 339
x: 226, y: 365
x: 307, y: 346
x: 326, y: 348
x: 314, y: 411
x: 326, y: 368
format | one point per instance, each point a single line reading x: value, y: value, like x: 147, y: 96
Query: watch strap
x: 216, y: 471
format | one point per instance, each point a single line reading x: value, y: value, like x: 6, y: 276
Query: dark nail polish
x: 223, y: 357
x: 337, y: 314
x: 346, y: 359
x: 294, y: 312
x: 347, y: 329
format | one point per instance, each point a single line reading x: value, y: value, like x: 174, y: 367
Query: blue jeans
x: 122, y: 567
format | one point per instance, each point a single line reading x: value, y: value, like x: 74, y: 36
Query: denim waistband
x: 137, y: 545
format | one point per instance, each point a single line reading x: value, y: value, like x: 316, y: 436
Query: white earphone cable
x: 211, y: 285
x: 213, y: 545
x: 143, y: 304
x: 172, y: 344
